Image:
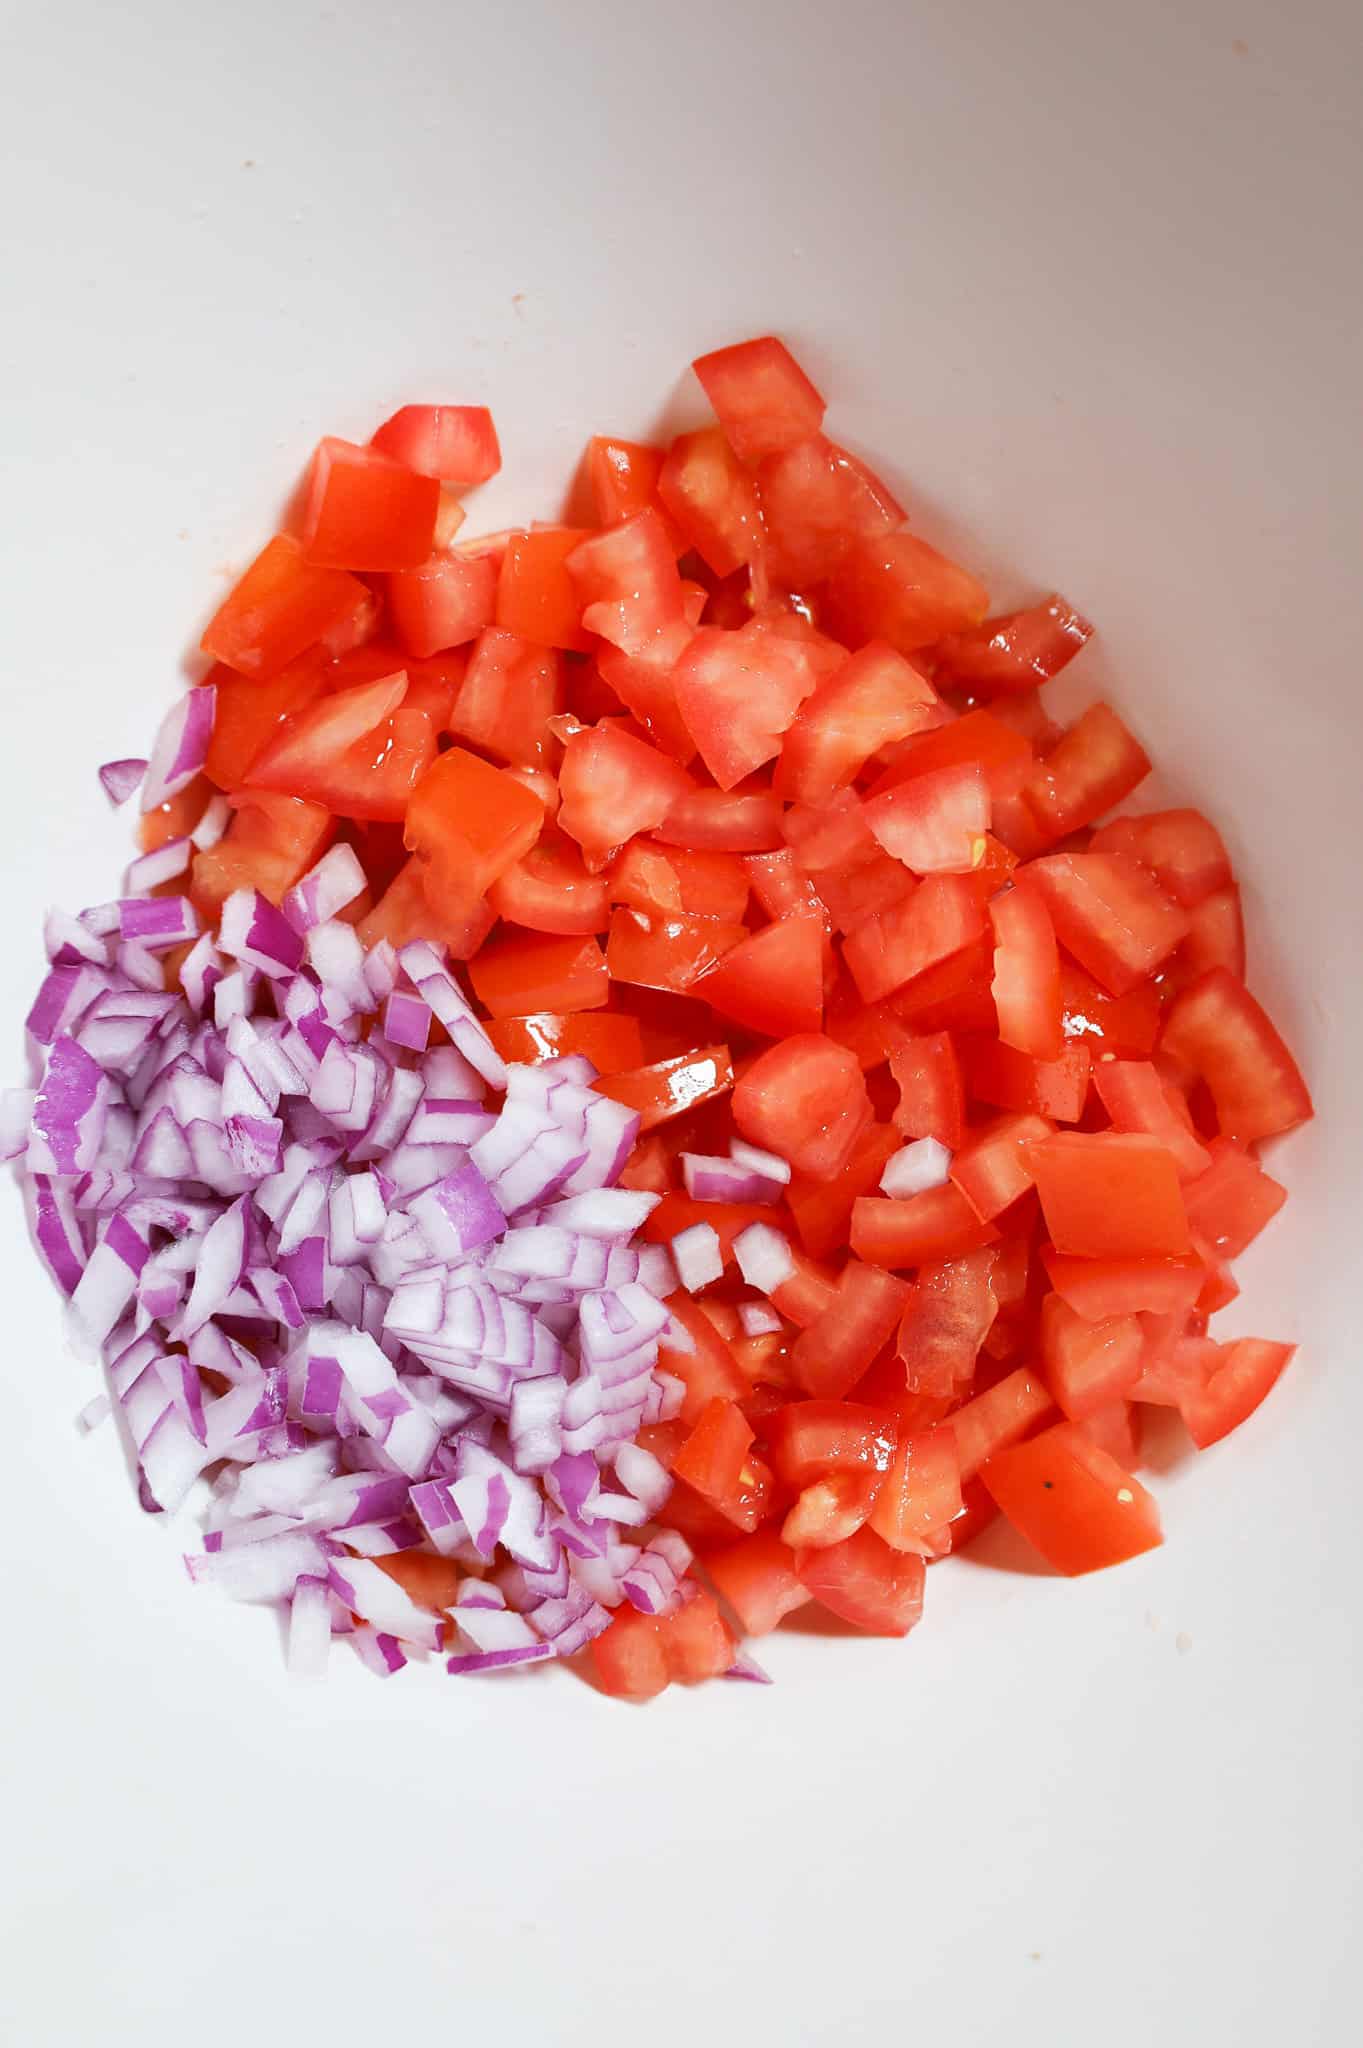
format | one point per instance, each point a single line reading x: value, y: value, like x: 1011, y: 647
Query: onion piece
x: 119, y: 779
x: 698, y: 1257
x: 915, y: 1168
x: 181, y: 746
x: 764, y: 1257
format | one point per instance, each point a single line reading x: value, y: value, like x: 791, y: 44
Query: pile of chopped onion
x: 378, y: 1293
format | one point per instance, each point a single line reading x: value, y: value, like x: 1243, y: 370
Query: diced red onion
x: 697, y: 1256
x: 163, y: 864
x: 712, y: 1179
x: 181, y: 746
x: 745, y: 1665
x: 763, y: 1255
x: 326, y: 889
x: 380, y: 1653
x: 442, y: 992
x: 915, y: 1168
x: 258, y: 935
x: 120, y: 779
x: 309, y: 1627
x: 758, y: 1320
x: 407, y: 1020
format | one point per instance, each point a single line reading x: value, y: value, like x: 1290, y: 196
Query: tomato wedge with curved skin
x: 511, y: 689
x: 761, y: 396
x: 804, y: 1099
x: 1110, y: 1195
x: 549, y: 890
x: 612, y: 1043
x: 672, y: 881
x: 1216, y: 1030
x: 724, y: 821
x: 1185, y: 850
x: 1231, y: 1202
x: 737, y: 693
x: 1244, y: 1373
x: 469, y: 822
x: 713, y: 503
x: 806, y: 1439
x: 613, y: 786
x: 457, y: 443
x: 622, y: 478
x: 1003, y: 1415
x: 931, y: 1097
x: 405, y: 912
x: 938, y: 1224
x: 269, y: 845
x: 536, y: 596
x: 1026, y: 984
x: 1092, y: 766
x: 627, y: 583
x: 248, y: 714
x: 1002, y: 755
x: 1215, y: 938
x: 1072, y: 1502
x: 876, y: 698
x: 1110, y: 913
x: 818, y: 501
x: 528, y: 971
x: 865, y: 1582
x: 947, y: 1316
x: 941, y: 917
x: 933, y: 823
x: 920, y: 1492
x: 897, y: 588
x: 1099, y: 1288
x: 756, y: 1577
x: 281, y: 606
x: 365, y: 511
x: 1088, y: 1365
x: 1057, y: 1089
x: 832, y: 1354
x: 993, y: 1168
x: 1016, y: 651
x: 773, y: 981
x: 444, y: 603
x: 666, y: 952
x: 669, y: 1088
x: 1137, y: 1097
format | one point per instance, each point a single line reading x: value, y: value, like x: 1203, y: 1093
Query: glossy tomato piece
x: 1057, y: 1089
x: 269, y: 845
x: 757, y: 1578
x: 1110, y: 913
x: 1088, y: 1365
x: 1185, y: 850
x: 365, y: 511
x: 1098, y: 1288
x: 931, y: 1095
x: 671, y: 1087
x: 773, y: 981
x: 709, y: 1372
x: 666, y: 952
x: 866, y: 1582
x: 469, y: 822
x: 818, y: 502
x: 822, y: 1209
x: 696, y: 1640
x: 536, y: 596
x: 933, y: 823
x: 832, y: 1354
x: 1004, y: 1414
x: 1231, y: 1202
x: 1014, y: 652
x: 876, y: 698
x: 527, y: 971
x: 1026, y: 984
x: 738, y: 692
x: 670, y: 880
x: 954, y: 995
x: 713, y: 503
x: 405, y: 912
x: 850, y: 895
x: 804, y: 1099
x: 1003, y: 756
x: 443, y: 603
x: 938, y: 1224
x: 993, y: 1167
x: 457, y: 443
x: 1216, y: 1030
x: 1242, y: 1374
x: 941, y: 917
x: 511, y: 689
x: 249, y: 712
x: 645, y: 687
x: 1073, y: 1502
x: 612, y: 1043
x: 622, y: 478
x: 829, y: 1510
x: 898, y: 589
x: 627, y: 584
x: 279, y: 608
x: 724, y: 821
x: 715, y: 1461
x: 947, y: 1316
x: 806, y: 1439
x: 549, y: 890
x: 1137, y: 1097
x: 1122, y: 1027
x: 921, y: 1491
x: 761, y: 396
x: 833, y: 834
x: 1110, y: 1194
x: 1092, y: 766
x: 613, y: 786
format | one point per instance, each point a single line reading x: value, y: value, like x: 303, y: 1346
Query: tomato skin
x: 670, y: 1087
x: 622, y: 477
x: 938, y: 1224
x: 818, y: 500
x: 1110, y: 913
x: 1138, y: 1098
x: 1016, y: 652
x: 249, y: 712
x: 528, y: 971
x: 1026, y: 984
x: 763, y: 399
x: 1184, y: 849
x: 670, y: 881
x: 757, y: 1577
x: 865, y: 1582
x: 365, y: 511
x: 1073, y: 1502
x: 549, y: 890
x: 281, y: 606
x: 771, y: 982
x: 511, y: 689
x: 1088, y: 1365
x: 921, y: 1491
x: 1001, y: 1416
x: 443, y: 603
x: 1110, y: 1195
x: 614, y: 786
x: 1055, y: 1089
x: 940, y: 918
x: 832, y: 1354
x: 931, y: 1094
x: 822, y: 1209
x: 469, y: 822
x: 898, y: 589
x: 980, y: 739
x: 723, y: 821
x: 457, y: 443
x: 738, y: 692
x: 1215, y: 1029
x: 612, y: 1043
x: 666, y: 952
x: 536, y: 596
x: 1232, y: 1201
x: 804, y: 1099
x: 713, y: 503
x: 1099, y: 1288
x: 1094, y: 764
x: 1243, y: 1374
x: 993, y: 1168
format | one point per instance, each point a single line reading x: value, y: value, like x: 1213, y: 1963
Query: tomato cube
x: 1102, y: 1287
x: 1110, y: 913
x: 1216, y: 1030
x: 365, y: 511
x: 536, y: 596
x: 1015, y: 652
x: 1026, y: 984
x: 666, y: 952
x: 818, y: 502
x: 933, y: 823
x: 898, y: 589
x: 724, y: 821
x: 762, y: 397
x: 757, y: 1577
x: 622, y: 477
x: 280, y: 607
x: 998, y: 1074
x: 670, y: 880
x: 1073, y: 1502
x: 804, y: 1099
x: 738, y: 692
x: 773, y: 981
x: 529, y: 972
x: 993, y: 1169
x: 931, y: 1094
x: 469, y: 821
x: 443, y: 603
x: 1231, y: 1202
x: 713, y: 502
x: 832, y: 1354
x: 612, y: 1043
x: 1003, y: 1415
x: 1088, y: 1365
x: 938, y: 1224
x: 823, y: 1208
x: 941, y: 917
x: 866, y: 1582
x: 613, y: 785
x: 1185, y: 850
x: 921, y: 1491
x: 949, y: 1313
x: 1110, y: 1195
x: 1242, y: 1374
x: 457, y: 443
x: 1138, y: 1098
x: 1091, y: 767
x: 669, y: 1088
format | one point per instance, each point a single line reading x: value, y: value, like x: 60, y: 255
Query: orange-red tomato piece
x: 365, y: 511
x: 805, y: 1099
x: 670, y: 1087
x: 866, y: 1582
x: 771, y: 982
x: 279, y: 608
x: 1110, y: 1194
x: 529, y: 971
x: 536, y: 596
x: 611, y: 1042
x: 1073, y: 1502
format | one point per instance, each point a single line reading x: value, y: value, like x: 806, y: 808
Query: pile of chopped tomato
x: 736, y: 788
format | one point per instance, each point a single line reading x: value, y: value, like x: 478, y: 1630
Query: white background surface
x: 1088, y: 277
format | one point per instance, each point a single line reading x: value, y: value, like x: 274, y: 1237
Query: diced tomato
x: 1087, y: 1365
x: 832, y: 1354
x: 1110, y: 913
x: 174, y: 818
x: 829, y: 1510
x: 708, y: 1371
x: 1174, y: 1365
x: 938, y: 1224
x: 527, y: 972
x: 622, y: 477
x: 942, y: 916
x: 669, y: 1088
x: 866, y: 1583
x: 1073, y: 1502
x: 946, y: 1319
x: 806, y: 1439
x: 1057, y: 1089
x: 954, y: 995
x: 627, y: 1658
x: 249, y: 711
x: 833, y: 834
x: 696, y: 1639
x: 549, y: 890
x: 628, y: 587
x: 1138, y: 1098
x: 429, y: 1580
x: 823, y: 1208
x: 849, y: 895
x: 1231, y: 1202
x: 804, y: 1099
x: 994, y: 865
x: 762, y: 397
x: 1216, y: 1030
x: 469, y: 821
x: 713, y: 503
x: 977, y: 1512
x: 757, y: 1577
x: 443, y: 603
x: 269, y: 845
x: 1215, y: 938
x: 993, y: 1169
x: 806, y: 1293
x: 671, y: 881
x: 772, y: 982
x: 511, y: 689
x: 931, y: 1096
x: 457, y: 443
x: 724, y: 821
x: 405, y: 912
x: 897, y: 588
x: 647, y: 690
x: 920, y: 1492
x: 1026, y: 984
x: 359, y: 751
x: 1016, y: 651
x: 612, y: 786
x: 666, y: 952
x: 536, y: 596
x: 365, y: 511
x: 933, y: 823
x: 1003, y: 1415
x: 1110, y: 1195
x: 1185, y: 850
x: 1125, y: 1027
x: 980, y: 739
x: 1092, y: 766
x: 677, y: 1212
x: 818, y: 501
x: 279, y: 608
x: 1116, y: 1429
x: 714, y: 1460
x: 1099, y: 1288
x: 738, y: 692
x: 612, y: 1043
x: 1243, y: 1374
